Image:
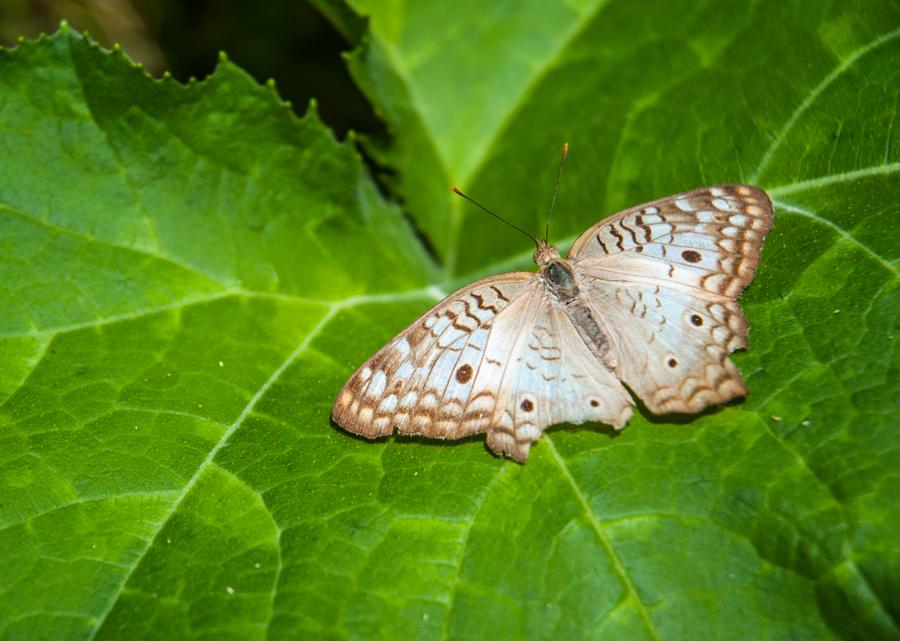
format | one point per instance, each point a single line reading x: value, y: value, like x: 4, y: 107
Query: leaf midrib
x: 494, y: 268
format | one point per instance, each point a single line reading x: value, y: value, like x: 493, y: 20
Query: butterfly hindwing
x: 553, y: 379
x: 672, y: 348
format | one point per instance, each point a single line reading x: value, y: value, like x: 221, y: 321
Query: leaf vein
x: 597, y: 526
x: 209, y: 460
x: 843, y: 233
x: 810, y: 98
x: 832, y: 179
x: 97, y: 499
x: 91, y: 239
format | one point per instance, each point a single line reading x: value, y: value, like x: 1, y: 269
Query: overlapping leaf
x: 190, y: 273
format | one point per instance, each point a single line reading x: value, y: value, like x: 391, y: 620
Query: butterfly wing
x: 664, y: 277
x: 422, y: 381
x: 554, y: 379
x: 498, y: 356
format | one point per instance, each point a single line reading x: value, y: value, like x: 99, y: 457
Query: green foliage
x: 189, y: 273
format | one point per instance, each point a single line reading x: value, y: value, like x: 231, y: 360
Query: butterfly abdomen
x: 590, y: 331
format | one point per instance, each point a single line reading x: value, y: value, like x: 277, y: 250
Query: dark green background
x: 289, y: 41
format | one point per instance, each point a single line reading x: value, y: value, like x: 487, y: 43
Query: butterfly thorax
x: 559, y: 277
x: 556, y: 272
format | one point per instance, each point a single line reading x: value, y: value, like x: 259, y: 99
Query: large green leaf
x: 190, y: 273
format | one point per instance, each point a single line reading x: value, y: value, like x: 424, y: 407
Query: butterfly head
x: 545, y: 254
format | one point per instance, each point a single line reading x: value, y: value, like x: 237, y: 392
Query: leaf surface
x: 190, y: 273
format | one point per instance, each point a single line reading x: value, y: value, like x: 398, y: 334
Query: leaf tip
x: 223, y: 57
x: 312, y: 112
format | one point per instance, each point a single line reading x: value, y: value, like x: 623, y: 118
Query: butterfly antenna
x: 562, y: 163
x: 456, y: 191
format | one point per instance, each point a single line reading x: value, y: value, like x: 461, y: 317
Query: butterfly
x: 646, y: 297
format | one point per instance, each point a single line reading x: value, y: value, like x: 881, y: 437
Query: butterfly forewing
x: 423, y: 380
x: 705, y: 241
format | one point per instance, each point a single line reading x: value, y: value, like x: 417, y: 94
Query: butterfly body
x: 560, y: 277
x: 646, y: 297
